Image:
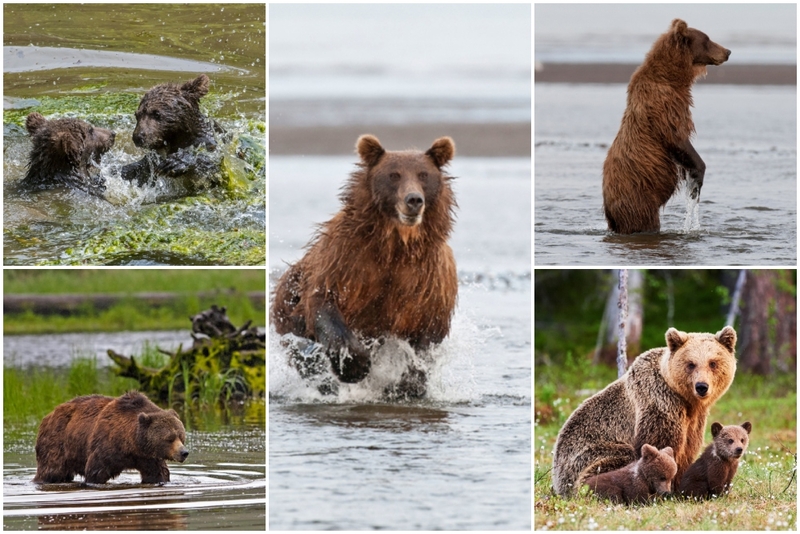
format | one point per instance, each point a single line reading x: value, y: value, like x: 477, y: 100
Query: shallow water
x: 458, y: 459
x: 99, y: 76
x: 221, y: 486
x: 748, y: 206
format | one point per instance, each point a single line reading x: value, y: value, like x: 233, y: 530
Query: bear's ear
x: 196, y: 88
x: 34, y: 122
x: 747, y: 426
x: 442, y: 151
x: 370, y: 149
x: 173, y: 412
x: 145, y: 420
x: 727, y: 338
x: 649, y: 452
x: 675, y: 339
x: 716, y: 428
x: 679, y: 27
x: 69, y: 145
x: 669, y: 452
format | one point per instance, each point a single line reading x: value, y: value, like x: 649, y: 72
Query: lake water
x: 458, y: 459
x: 748, y: 208
x: 78, y: 61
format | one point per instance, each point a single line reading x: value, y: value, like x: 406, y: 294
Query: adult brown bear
x: 652, y: 153
x: 381, y: 266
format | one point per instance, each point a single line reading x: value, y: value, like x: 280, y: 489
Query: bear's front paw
x: 351, y: 364
x: 175, y: 164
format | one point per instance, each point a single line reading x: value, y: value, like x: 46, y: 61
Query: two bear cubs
x: 710, y: 476
x: 67, y: 152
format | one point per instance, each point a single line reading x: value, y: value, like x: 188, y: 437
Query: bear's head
x: 161, y: 435
x: 169, y: 116
x: 700, y: 367
x: 658, y: 468
x: 66, y: 145
x: 703, y: 51
x: 730, y: 441
x: 406, y: 185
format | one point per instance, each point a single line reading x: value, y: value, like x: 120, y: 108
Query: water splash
x: 449, y: 368
x: 691, y: 222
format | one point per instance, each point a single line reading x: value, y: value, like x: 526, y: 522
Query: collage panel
x: 665, y: 135
x: 400, y: 267
x: 668, y: 395
x: 134, y: 134
x: 134, y: 409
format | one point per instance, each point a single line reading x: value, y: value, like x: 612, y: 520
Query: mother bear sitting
x: 662, y: 400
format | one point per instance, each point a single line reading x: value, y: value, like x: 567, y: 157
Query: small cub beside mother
x: 662, y: 400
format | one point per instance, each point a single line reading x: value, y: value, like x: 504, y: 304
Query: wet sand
x: 621, y: 73
x: 479, y: 140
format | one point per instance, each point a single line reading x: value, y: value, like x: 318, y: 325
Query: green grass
x: 130, y: 313
x: 764, y: 494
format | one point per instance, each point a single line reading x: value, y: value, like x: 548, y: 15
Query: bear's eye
x: 394, y: 176
x: 712, y: 365
x: 730, y: 441
x: 157, y: 115
x: 691, y: 367
x: 423, y: 176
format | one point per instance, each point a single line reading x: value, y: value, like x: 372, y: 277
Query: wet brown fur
x: 98, y: 437
x: 642, y: 170
x: 712, y: 473
x: 658, y: 401
x: 638, y: 481
x: 383, y: 262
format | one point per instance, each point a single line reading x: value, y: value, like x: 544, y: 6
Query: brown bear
x: 382, y: 265
x: 712, y: 473
x: 663, y: 399
x: 98, y: 437
x: 638, y: 481
x: 66, y: 152
x: 652, y: 153
x: 169, y: 122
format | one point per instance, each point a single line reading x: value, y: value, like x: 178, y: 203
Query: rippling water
x: 458, y: 459
x: 748, y: 206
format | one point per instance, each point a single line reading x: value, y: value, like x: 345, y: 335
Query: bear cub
x: 637, y: 482
x: 66, y: 152
x: 712, y: 473
x: 169, y: 122
x: 98, y: 437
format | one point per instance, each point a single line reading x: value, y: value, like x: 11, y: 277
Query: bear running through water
x: 652, y: 152
x: 381, y: 267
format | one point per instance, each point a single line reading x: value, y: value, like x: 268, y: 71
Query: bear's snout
x: 414, y: 203
x: 701, y: 388
x: 183, y: 453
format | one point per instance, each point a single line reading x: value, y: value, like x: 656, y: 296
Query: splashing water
x: 692, y: 221
x: 448, y: 366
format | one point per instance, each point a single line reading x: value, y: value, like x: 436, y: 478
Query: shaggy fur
x: 98, y: 437
x: 169, y: 122
x: 66, y: 152
x: 650, y: 475
x: 712, y: 473
x: 662, y: 400
x: 382, y: 265
x: 652, y: 153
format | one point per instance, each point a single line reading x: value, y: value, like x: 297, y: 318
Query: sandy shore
x: 480, y: 140
x: 621, y: 73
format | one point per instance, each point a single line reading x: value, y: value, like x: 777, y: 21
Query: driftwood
x: 222, y: 357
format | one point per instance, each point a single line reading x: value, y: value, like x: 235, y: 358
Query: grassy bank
x: 129, y: 313
x: 764, y: 494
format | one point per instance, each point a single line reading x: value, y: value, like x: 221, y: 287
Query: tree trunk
x: 768, y: 330
x: 606, y: 349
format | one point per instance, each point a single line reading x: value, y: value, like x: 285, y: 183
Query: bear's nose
x: 739, y: 451
x: 727, y: 53
x: 414, y: 201
x: 184, y: 453
x: 701, y: 388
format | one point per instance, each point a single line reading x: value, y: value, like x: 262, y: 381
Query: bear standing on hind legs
x: 652, y: 152
x: 381, y: 266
